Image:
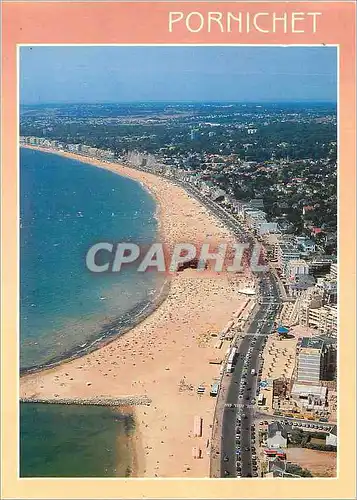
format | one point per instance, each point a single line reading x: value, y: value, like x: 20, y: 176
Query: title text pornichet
x: 244, y: 22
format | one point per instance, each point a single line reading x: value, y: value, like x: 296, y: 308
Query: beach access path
x: 167, y: 356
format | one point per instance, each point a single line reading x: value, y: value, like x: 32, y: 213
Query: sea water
x: 65, y: 207
x: 74, y: 441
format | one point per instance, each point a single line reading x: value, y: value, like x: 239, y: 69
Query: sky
x: 124, y: 74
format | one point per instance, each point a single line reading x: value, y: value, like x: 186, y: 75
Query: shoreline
x: 106, y: 335
x: 168, y: 354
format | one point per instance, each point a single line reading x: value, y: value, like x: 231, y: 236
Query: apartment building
x: 286, y: 252
x: 74, y: 148
x: 254, y: 218
x: 312, y: 298
x: 310, y: 360
x: 329, y: 287
x: 324, y: 319
x: 271, y: 243
x: 296, y: 267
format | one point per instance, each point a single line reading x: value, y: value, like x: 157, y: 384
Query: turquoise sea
x: 66, y: 206
x: 74, y: 441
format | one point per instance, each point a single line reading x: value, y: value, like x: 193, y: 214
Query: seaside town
x: 268, y: 175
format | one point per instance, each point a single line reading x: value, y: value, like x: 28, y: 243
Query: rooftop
x: 311, y: 343
x: 275, y: 427
x: 305, y: 390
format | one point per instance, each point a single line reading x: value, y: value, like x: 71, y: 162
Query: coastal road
x: 238, y: 415
x: 238, y: 445
x: 225, y: 217
x: 228, y: 219
x: 237, y: 438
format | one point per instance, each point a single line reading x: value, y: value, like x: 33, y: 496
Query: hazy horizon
x: 124, y: 74
x: 83, y: 103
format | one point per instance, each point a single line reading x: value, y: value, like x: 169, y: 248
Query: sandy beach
x: 166, y: 357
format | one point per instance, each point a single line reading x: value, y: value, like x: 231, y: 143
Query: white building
x: 309, y: 396
x: 277, y: 436
x: 297, y: 266
x: 267, y: 228
x: 286, y: 252
x: 255, y: 218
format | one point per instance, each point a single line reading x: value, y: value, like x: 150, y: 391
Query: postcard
x: 178, y: 249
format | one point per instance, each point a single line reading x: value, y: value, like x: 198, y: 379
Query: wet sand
x: 166, y: 357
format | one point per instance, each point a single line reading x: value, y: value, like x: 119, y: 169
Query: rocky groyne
x: 98, y: 401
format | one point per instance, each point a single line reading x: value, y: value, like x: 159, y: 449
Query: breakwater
x: 93, y: 401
